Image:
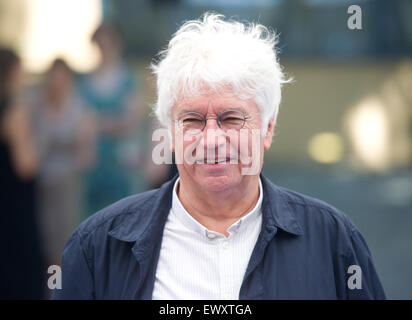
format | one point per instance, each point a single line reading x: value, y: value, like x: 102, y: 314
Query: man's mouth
x: 213, y: 161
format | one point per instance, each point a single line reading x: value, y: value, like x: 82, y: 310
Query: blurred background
x: 75, y: 118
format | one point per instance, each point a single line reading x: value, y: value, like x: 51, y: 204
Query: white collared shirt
x: 197, y: 263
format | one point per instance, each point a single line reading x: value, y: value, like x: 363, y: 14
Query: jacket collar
x: 145, y: 224
x: 148, y: 218
x: 276, y: 209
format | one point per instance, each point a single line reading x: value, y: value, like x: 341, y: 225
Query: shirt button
x: 225, y: 244
x: 211, y: 235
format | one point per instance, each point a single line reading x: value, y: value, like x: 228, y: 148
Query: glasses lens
x: 192, y: 123
x: 232, y: 120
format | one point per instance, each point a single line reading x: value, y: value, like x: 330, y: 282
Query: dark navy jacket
x: 304, y: 251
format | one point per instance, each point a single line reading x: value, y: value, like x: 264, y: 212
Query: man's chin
x: 217, y: 183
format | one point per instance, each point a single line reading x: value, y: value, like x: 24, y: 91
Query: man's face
x: 216, y: 159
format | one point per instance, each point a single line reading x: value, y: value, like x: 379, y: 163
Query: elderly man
x: 220, y: 230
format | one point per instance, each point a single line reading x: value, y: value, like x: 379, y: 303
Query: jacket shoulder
x: 114, y: 214
x: 310, y: 209
x: 321, y: 220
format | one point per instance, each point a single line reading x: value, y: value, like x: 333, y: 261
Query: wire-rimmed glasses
x: 193, y: 123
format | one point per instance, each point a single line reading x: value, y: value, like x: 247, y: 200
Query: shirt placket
x: 226, y: 269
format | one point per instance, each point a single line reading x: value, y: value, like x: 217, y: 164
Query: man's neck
x: 217, y: 211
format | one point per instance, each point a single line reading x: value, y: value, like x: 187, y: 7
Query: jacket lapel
x: 145, y: 229
x: 276, y: 214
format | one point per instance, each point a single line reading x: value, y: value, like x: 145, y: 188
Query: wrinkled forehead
x: 210, y: 100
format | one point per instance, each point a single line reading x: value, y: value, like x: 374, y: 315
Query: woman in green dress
x: 110, y: 91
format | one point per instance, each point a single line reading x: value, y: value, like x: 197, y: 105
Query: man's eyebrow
x: 184, y: 110
x: 225, y: 108
x: 236, y: 108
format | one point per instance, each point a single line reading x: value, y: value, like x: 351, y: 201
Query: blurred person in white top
x: 64, y: 131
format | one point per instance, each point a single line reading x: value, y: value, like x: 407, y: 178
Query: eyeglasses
x: 193, y: 123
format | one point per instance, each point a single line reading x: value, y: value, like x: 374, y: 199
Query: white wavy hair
x: 218, y: 53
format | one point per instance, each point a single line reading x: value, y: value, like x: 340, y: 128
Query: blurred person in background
x: 21, y: 267
x: 111, y: 92
x: 64, y: 131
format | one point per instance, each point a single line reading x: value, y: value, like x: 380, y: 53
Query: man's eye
x: 232, y: 119
x: 191, y: 120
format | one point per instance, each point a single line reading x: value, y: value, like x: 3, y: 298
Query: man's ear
x: 267, y: 140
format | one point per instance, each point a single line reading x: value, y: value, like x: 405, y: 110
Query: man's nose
x: 211, y: 123
x: 212, y: 127
x: 214, y: 136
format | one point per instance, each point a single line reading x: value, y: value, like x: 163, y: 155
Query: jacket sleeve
x: 362, y: 280
x: 77, y: 276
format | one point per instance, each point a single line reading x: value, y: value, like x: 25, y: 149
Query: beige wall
x: 323, y: 94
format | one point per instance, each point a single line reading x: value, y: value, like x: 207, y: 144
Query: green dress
x: 109, y: 180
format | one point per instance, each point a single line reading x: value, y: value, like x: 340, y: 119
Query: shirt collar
x: 144, y: 222
x: 192, y: 224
